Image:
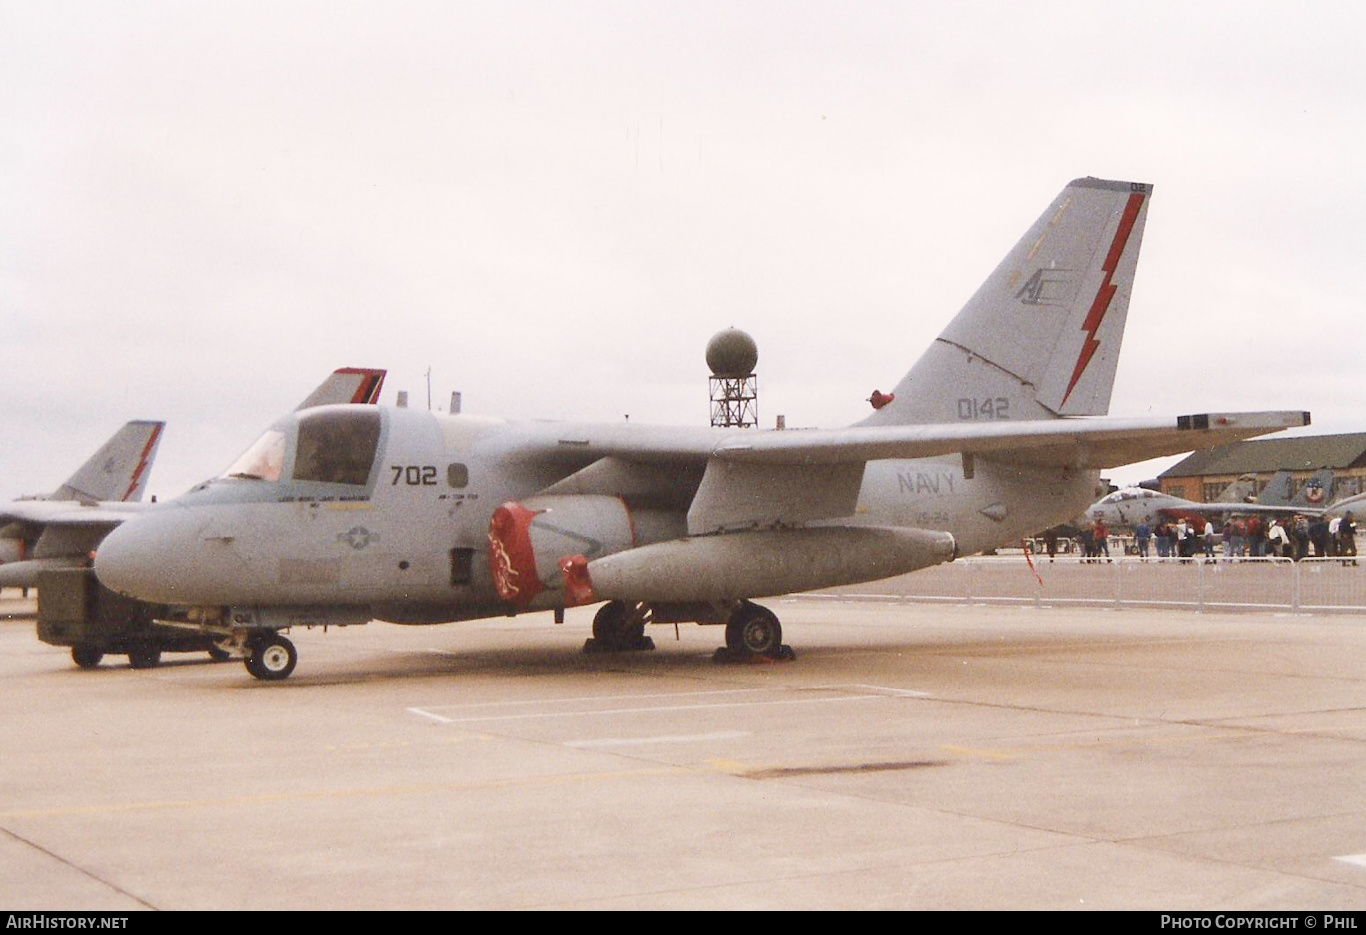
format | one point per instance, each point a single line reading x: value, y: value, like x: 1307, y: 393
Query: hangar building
x: 1204, y: 474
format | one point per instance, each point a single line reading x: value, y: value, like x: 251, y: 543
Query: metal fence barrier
x: 1311, y: 585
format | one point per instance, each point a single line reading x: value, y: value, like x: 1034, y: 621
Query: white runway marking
x: 641, y: 741
x: 592, y: 698
x: 905, y: 692
x: 1357, y: 859
x: 484, y: 718
x: 867, y: 693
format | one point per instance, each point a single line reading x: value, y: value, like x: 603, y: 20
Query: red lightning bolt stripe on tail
x: 142, y: 462
x: 1101, y: 304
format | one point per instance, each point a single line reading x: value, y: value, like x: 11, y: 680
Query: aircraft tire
x: 617, y: 629
x: 86, y: 656
x: 144, y: 657
x: 755, y: 630
x: 609, y: 621
x: 271, y: 657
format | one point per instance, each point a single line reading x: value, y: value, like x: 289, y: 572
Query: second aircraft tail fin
x: 119, y: 470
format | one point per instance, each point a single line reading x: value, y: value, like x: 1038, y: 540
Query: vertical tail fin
x: 347, y: 385
x: 1241, y: 490
x: 1315, y: 493
x: 1040, y: 338
x: 119, y: 470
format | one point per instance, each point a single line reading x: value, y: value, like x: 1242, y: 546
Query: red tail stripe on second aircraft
x: 142, y: 462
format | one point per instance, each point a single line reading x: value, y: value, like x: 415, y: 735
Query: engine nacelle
x: 528, y: 539
x: 735, y: 566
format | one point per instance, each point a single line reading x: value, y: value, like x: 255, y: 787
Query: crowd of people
x: 1251, y: 536
x: 1248, y: 537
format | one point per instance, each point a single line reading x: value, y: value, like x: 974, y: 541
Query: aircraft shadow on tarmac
x: 371, y: 663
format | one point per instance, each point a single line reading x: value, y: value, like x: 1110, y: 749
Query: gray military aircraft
x: 341, y: 514
x: 63, y: 528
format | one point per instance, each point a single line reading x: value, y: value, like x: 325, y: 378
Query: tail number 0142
x: 997, y: 407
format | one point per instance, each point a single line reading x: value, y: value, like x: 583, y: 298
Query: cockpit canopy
x: 1129, y: 493
x: 330, y: 445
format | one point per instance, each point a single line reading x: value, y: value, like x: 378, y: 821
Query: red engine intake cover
x: 511, y: 557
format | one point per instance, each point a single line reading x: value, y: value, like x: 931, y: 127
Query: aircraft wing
x: 1100, y: 442
x: 69, y: 512
x: 800, y: 475
x: 1241, y: 509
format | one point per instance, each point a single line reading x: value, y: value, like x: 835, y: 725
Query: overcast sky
x: 205, y: 207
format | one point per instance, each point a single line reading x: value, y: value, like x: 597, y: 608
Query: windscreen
x: 337, y: 446
x: 264, y: 460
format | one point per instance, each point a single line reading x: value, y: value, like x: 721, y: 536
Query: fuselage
x: 398, y: 522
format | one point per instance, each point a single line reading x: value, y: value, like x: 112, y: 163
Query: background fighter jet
x: 340, y: 514
x: 1130, y: 506
x: 62, y: 529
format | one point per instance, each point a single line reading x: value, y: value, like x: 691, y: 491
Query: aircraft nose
x: 146, y: 556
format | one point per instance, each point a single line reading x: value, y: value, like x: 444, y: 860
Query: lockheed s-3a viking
x: 341, y: 514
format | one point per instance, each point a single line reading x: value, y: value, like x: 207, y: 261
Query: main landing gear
x: 270, y: 657
x: 753, y: 633
x: 619, y: 627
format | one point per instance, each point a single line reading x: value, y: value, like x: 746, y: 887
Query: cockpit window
x: 264, y: 460
x: 337, y: 446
